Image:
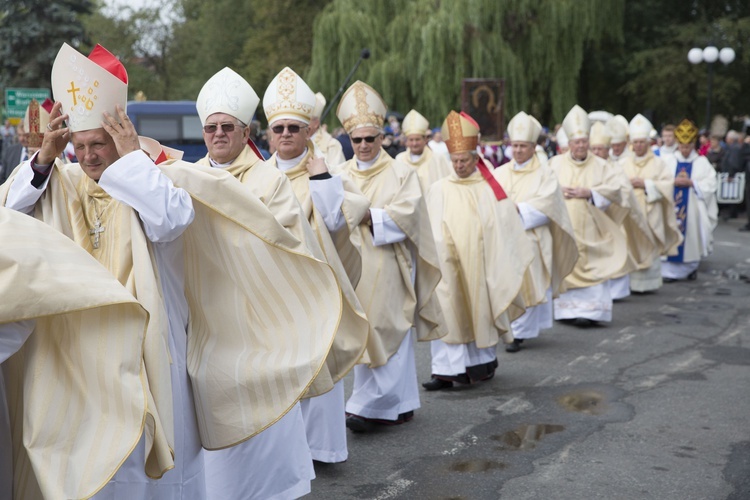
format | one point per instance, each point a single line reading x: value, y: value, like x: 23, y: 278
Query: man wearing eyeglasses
x: 400, y: 270
x: 226, y: 104
x: 334, y: 207
x: 276, y: 463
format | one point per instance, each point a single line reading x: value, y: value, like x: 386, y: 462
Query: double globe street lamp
x: 710, y: 55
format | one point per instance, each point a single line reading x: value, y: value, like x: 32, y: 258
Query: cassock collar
x: 681, y: 159
x: 519, y: 166
x: 364, y: 165
x: 216, y: 164
x: 285, y: 165
x: 415, y: 158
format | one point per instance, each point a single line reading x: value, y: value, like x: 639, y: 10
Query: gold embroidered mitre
x: 227, y: 92
x: 88, y: 86
x: 460, y: 132
x: 288, y: 97
x: 524, y: 128
x: 686, y: 132
x: 599, y: 135
x: 360, y: 107
x: 320, y: 105
x: 576, y: 123
x: 36, y: 120
x: 617, y: 128
x: 640, y: 127
x: 415, y: 124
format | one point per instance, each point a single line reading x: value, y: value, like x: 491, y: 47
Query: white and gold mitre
x: 561, y: 138
x: 320, y: 105
x: 640, y: 127
x: 361, y: 106
x: 460, y: 132
x: 525, y: 128
x: 288, y: 97
x: 229, y: 93
x: 599, y: 135
x: 617, y: 127
x: 415, y: 124
x: 88, y: 86
x: 577, y: 123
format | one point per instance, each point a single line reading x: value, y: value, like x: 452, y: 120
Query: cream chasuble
x: 331, y: 148
x: 272, y: 187
x: 68, y: 372
x: 602, y: 249
x: 246, y: 280
x: 275, y: 191
x: 553, y: 245
x: 72, y: 204
x: 351, y: 337
x: 484, y: 254
x: 656, y: 201
x: 641, y: 248
x: 430, y: 167
x: 392, y: 303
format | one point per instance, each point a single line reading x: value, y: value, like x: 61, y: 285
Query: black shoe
x: 744, y: 229
x: 358, y: 424
x: 405, y: 417
x: 515, y: 346
x: 436, y: 384
x: 583, y: 322
x: 693, y: 276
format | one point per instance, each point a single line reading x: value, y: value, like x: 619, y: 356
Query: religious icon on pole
x: 483, y: 99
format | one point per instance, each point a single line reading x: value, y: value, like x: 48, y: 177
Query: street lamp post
x: 710, y: 55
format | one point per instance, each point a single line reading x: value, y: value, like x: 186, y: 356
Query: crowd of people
x: 182, y: 330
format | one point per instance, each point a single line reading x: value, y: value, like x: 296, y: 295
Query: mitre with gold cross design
x: 577, y: 123
x: 460, y: 132
x: 524, y: 128
x: 415, y: 124
x: 88, y: 86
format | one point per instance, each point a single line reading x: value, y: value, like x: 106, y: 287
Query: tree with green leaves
x: 141, y: 38
x: 256, y: 39
x: 649, y: 72
x: 421, y: 50
x: 32, y: 32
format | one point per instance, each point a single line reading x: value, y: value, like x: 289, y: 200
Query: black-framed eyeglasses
x: 293, y: 129
x: 227, y: 128
x: 369, y: 139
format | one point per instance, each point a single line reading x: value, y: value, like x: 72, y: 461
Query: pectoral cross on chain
x: 98, y: 228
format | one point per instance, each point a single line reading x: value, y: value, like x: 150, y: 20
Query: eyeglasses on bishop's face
x: 293, y: 129
x: 227, y: 128
x: 369, y: 139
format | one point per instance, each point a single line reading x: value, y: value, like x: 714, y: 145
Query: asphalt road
x: 655, y: 405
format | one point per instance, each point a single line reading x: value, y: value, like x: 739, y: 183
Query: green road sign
x: 17, y: 100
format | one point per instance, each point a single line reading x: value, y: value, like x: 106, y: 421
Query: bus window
x: 173, y: 123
